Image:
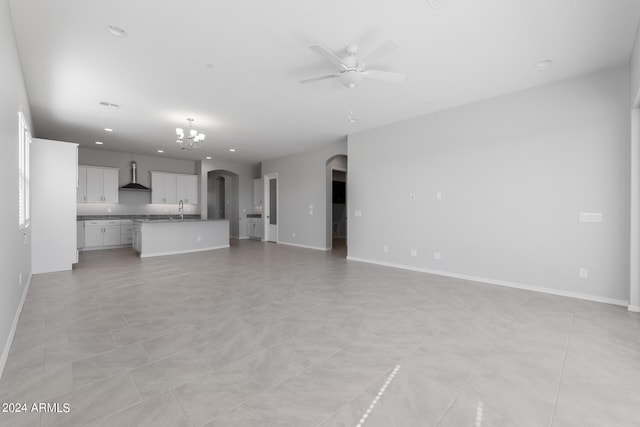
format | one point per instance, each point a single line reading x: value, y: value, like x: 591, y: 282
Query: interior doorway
x: 271, y: 207
x: 338, y: 209
x: 337, y: 203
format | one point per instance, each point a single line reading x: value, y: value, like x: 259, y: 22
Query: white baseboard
x: 187, y: 251
x: 634, y: 308
x: 97, y: 248
x: 239, y: 237
x: 14, y: 326
x: 317, y: 248
x: 522, y: 286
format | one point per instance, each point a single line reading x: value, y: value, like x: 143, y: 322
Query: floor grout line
x: 564, y: 359
x: 484, y: 356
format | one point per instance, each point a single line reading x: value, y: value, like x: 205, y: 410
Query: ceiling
x: 234, y: 66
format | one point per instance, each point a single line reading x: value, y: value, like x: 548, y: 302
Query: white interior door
x: 271, y: 207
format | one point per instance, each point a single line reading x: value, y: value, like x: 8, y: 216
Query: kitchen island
x: 170, y: 237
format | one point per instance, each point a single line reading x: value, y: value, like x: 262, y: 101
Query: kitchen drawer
x: 101, y: 222
x: 126, y: 229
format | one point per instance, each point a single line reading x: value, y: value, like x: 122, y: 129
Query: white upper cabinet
x: 170, y: 188
x: 188, y: 189
x: 110, y: 185
x: 257, y: 192
x: 97, y: 185
x: 164, y: 188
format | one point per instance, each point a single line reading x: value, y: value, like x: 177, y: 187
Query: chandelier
x: 192, y: 140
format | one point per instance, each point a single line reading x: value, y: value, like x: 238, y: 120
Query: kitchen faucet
x: 181, y: 210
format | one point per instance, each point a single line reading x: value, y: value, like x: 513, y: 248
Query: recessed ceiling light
x: 108, y: 130
x: 99, y: 143
x: 160, y: 151
x: 117, y: 31
x: 209, y: 66
x: 208, y: 157
x: 543, y: 65
x: 232, y: 149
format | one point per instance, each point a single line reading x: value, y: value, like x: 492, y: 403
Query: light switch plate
x: 590, y: 217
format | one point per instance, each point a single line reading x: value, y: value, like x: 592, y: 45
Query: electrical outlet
x: 199, y: 238
x: 294, y: 234
x: 310, y: 207
x: 358, y: 213
x: 19, y: 279
x: 413, y: 252
x: 438, y: 195
x: 436, y: 255
x: 310, y: 212
x: 583, y: 273
x: 385, y: 248
x: 412, y: 196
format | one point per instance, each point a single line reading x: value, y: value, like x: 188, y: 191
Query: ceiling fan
x: 353, y: 67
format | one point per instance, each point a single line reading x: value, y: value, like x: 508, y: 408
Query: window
x: 24, y: 139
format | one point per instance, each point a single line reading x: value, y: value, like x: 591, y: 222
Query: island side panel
x: 168, y: 238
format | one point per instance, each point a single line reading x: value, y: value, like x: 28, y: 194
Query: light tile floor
x: 269, y: 335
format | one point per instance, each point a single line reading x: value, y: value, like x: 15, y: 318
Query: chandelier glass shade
x: 191, y: 140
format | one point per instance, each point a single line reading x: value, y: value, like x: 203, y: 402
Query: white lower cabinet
x: 254, y: 228
x: 101, y: 233
x: 126, y: 232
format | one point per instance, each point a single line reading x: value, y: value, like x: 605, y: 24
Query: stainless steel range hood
x: 133, y: 185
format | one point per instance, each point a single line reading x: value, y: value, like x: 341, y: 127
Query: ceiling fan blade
x: 315, y: 79
x: 328, y: 55
x: 387, y: 76
x: 382, y: 50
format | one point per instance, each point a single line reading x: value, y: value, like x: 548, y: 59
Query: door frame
x: 267, y: 205
x: 330, y: 204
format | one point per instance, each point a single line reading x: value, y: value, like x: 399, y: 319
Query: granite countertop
x: 137, y: 217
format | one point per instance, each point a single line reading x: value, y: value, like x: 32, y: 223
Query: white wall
x: 514, y: 173
x: 133, y: 202
x: 15, y: 247
x: 302, y: 181
x: 245, y: 174
x: 635, y: 71
x: 53, y: 202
